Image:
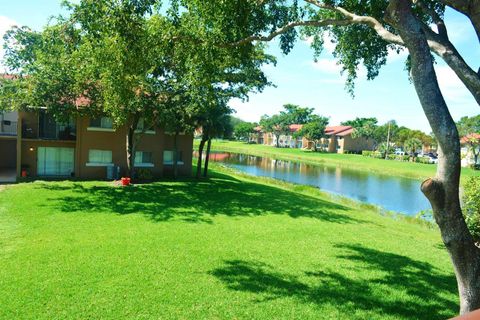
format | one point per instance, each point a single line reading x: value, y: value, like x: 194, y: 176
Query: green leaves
x: 471, y: 206
x: 314, y: 130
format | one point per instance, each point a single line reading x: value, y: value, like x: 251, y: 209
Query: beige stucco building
x: 339, y: 140
x: 33, y: 142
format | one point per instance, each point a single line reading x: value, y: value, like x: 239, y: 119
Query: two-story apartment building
x: 338, y: 140
x: 34, y: 144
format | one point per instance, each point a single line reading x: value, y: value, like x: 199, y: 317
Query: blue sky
x: 319, y: 85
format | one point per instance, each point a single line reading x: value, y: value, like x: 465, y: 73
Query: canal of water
x: 391, y: 193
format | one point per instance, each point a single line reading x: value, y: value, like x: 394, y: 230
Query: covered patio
x: 8, y: 175
x: 8, y: 159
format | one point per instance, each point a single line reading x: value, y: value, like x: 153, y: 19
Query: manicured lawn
x: 226, y: 248
x: 389, y: 167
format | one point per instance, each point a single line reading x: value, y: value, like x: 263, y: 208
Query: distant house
x: 289, y: 141
x: 258, y: 136
x: 339, y: 140
x: 468, y: 157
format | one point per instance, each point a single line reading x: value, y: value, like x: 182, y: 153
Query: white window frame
x: 170, y: 163
x: 142, y: 164
x: 140, y: 125
x: 102, y: 129
x: 99, y: 164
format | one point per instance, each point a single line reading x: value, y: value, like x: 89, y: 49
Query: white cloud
x: 330, y: 67
x: 5, y: 24
x: 327, y: 66
x: 452, y: 87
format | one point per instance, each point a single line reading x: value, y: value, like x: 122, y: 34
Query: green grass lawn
x: 225, y: 248
x: 358, y: 162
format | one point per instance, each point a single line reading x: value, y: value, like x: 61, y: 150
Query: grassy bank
x: 228, y: 247
x: 394, y: 168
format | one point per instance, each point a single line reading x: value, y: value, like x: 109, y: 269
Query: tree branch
x: 470, y: 8
x: 442, y: 29
x: 356, y: 19
x: 271, y: 36
x: 446, y: 50
x: 438, y: 43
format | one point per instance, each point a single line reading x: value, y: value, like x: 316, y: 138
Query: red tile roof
x: 338, y: 130
x: 295, y: 127
x: 9, y: 76
x: 470, y: 136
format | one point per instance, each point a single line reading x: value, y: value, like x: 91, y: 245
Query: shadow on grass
x: 400, y: 287
x: 194, y: 201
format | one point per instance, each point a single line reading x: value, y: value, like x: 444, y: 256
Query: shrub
x: 471, y: 206
x: 366, y: 153
x: 475, y: 166
x: 424, y: 160
x: 377, y: 155
x: 392, y: 157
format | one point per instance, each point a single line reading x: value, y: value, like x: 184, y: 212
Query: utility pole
x: 388, y: 140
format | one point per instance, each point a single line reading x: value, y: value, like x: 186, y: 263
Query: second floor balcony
x: 8, y: 128
x: 44, y: 126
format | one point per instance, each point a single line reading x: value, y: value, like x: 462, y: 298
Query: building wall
x: 8, y: 153
x: 185, y: 145
x: 356, y: 144
x: 88, y: 139
x: 91, y: 139
x: 29, y: 152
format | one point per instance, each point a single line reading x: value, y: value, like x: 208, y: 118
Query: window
x: 53, y: 129
x: 141, y: 125
x: 101, y: 123
x: 143, y: 159
x: 168, y: 157
x: 55, y: 161
x: 99, y: 158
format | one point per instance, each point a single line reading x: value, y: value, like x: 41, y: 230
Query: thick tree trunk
x: 443, y: 190
x: 278, y: 141
x: 131, y: 146
x: 207, y: 158
x: 200, y: 155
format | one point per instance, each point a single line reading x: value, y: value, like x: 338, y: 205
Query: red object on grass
x: 125, y: 181
x: 24, y: 173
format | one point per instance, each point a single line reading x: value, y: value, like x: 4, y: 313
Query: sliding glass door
x: 55, y: 161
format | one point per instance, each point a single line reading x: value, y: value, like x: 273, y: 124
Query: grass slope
x: 395, y: 168
x: 229, y: 247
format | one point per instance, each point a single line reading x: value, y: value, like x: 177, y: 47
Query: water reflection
x: 392, y: 193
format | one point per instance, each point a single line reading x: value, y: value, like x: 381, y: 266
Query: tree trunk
x: 314, y: 146
x: 278, y: 141
x: 131, y: 146
x: 443, y: 190
x: 175, y: 156
x: 207, y: 158
x: 199, y: 161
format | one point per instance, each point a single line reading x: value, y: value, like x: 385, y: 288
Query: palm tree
x: 412, y: 145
